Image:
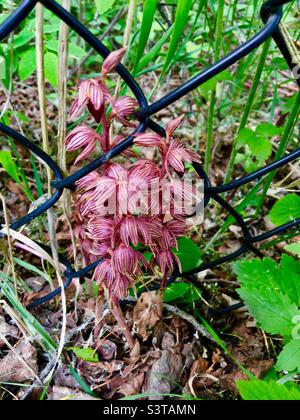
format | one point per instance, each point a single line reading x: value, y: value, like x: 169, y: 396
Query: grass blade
x: 154, y: 52
x: 181, y: 19
x: 150, y: 7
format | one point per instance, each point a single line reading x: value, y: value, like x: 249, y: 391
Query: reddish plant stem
x: 119, y: 316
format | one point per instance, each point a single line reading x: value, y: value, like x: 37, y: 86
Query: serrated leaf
x: 181, y: 19
x: 189, y: 253
x: 293, y: 248
x: 51, y: 68
x: 27, y: 64
x: 273, y: 310
x: 88, y: 354
x: 104, y: 5
x: 147, y: 21
x: 256, y: 274
x: 289, y: 358
x: 267, y: 274
x: 285, y: 210
x: 175, y: 291
x: 268, y: 129
x: 266, y: 391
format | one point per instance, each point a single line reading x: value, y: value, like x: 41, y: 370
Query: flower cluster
x: 119, y: 209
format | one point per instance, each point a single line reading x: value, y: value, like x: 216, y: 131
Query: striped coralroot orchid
x: 119, y: 209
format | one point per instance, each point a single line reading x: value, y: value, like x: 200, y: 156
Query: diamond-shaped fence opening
x: 271, y: 13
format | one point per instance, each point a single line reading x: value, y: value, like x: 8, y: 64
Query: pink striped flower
x: 166, y: 261
x: 176, y: 154
x: 91, y: 94
x: 123, y: 108
x: 82, y: 137
x: 111, y: 62
x: 126, y: 261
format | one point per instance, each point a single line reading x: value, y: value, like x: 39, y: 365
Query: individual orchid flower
x: 85, y: 138
x: 123, y: 108
x: 112, y: 61
x: 166, y: 261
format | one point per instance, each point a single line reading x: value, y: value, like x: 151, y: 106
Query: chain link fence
x: 271, y: 14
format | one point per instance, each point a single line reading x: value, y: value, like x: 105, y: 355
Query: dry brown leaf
x: 133, y: 385
x: 164, y: 375
x: 12, y: 369
x: 147, y: 313
x: 7, y: 330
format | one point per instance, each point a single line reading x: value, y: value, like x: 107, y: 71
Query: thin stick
x: 44, y: 126
x: 9, y: 240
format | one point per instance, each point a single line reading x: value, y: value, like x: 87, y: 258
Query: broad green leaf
x: 104, y: 5
x: 175, y: 291
x: 181, y: 19
x: 147, y: 21
x: 88, y: 354
x: 23, y: 38
x: 211, y: 84
x: 189, y: 253
x: 255, y: 273
x: 260, y: 390
x: 285, y: 210
x: 268, y: 129
x: 294, y: 248
x: 74, y: 50
x: 267, y: 274
x: 51, y: 68
x: 289, y: 358
x: 273, y: 311
x: 7, y: 162
x: 27, y: 64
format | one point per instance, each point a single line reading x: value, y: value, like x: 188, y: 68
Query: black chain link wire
x: 271, y: 14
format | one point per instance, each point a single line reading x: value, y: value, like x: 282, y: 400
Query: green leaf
x: 81, y: 382
x: 23, y: 38
x: 74, y: 50
x: 88, y: 354
x: 273, y: 310
x: 176, y: 291
x: 27, y: 64
x: 2, y: 68
x: 256, y: 274
x: 147, y: 21
x: 289, y: 358
x: 181, y: 19
x: 293, y: 248
x: 189, y: 253
x: 154, y: 52
x: 51, y: 68
x: 285, y: 210
x: 104, y: 5
x: 211, y: 84
x: 7, y: 162
x: 266, y: 391
x: 268, y: 274
x: 268, y: 129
